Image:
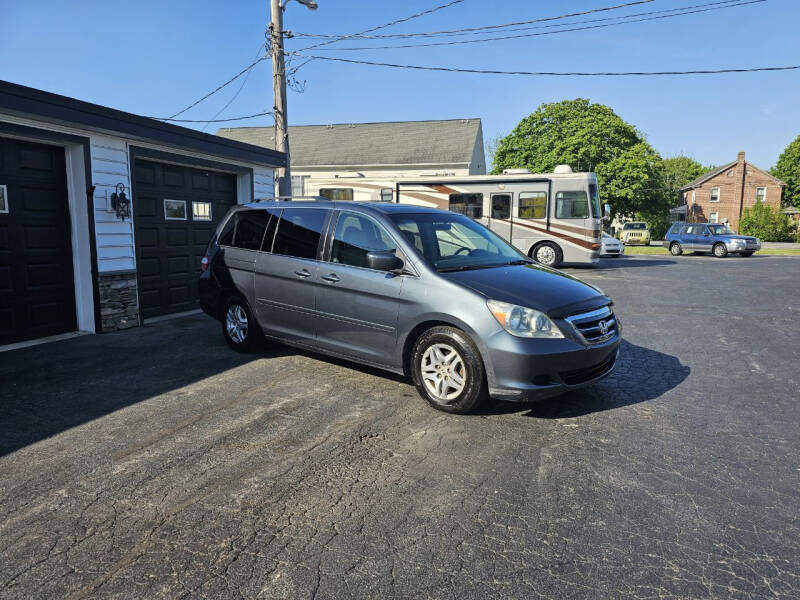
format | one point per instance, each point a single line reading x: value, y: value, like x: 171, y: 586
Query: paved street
x: 157, y: 463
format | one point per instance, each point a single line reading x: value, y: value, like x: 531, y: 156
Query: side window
x: 470, y: 205
x: 272, y: 225
x: 714, y: 195
x: 572, y: 205
x: 532, y: 205
x: 354, y: 236
x: 299, y: 232
x: 225, y: 237
x: 336, y: 193
x: 250, y: 226
x: 501, y: 206
x: 410, y: 230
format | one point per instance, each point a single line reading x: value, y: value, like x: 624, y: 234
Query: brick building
x: 721, y: 195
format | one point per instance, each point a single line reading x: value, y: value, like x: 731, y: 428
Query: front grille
x: 587, y: 374
x: 596, y: 326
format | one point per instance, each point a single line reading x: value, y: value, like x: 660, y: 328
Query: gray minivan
x: 413, y: 290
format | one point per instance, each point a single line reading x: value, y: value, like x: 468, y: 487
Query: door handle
x: 304, y: 273
x: 333, y: 278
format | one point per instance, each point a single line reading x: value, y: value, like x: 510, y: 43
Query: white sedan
x: 610, y: 246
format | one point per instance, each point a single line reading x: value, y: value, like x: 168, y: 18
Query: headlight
x: 523, y: 322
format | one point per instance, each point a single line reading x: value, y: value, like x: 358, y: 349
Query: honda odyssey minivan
x: 427, y: 293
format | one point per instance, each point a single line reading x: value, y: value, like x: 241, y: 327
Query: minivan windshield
x: 452, y: 242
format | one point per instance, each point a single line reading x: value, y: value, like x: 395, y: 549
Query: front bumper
x: 736, y: 246
x: 526, y: 369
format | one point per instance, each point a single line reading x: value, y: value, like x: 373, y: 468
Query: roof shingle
x: 360, y: 144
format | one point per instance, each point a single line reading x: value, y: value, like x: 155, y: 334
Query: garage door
x: 37, y: 293
x: 176, y: 209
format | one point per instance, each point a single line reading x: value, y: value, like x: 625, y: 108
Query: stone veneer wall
x: 119, y: 307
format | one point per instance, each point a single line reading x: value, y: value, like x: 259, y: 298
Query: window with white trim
x: 713, y: 217
x: 714, y: 195
x: 175, y: 210
x: 761, y: 194
x: 201, y: 211
x: 299, y: 185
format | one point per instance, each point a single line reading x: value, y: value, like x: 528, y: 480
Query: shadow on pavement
x: 623, y: 263
x: 641, y: 374
x: 53, y: 387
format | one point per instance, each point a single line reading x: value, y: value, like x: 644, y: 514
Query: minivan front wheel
x: 448, y: 371
x: 239, y: 328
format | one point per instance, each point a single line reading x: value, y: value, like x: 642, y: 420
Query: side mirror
x: 606, y: 210
x: 383, y: 261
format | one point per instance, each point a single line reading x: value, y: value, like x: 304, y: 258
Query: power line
x: 508, y: 26
x: 339, y: 38
x: 218, y: 88
x: 239, y: 91
x: 484, y: 27
x: 554, y: 73
x: 261, y: 114
x: 528, y: 35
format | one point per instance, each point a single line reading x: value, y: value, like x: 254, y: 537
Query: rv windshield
x: 452, y: 242
x: 594, y: 195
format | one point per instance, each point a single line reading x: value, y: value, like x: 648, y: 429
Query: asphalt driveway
x: 156, y: 463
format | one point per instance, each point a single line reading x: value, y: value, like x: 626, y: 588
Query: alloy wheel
x: 236, y: 323
x: 443, y: 372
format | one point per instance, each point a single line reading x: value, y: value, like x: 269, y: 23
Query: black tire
x: 675, y: 249
x: 745, y: 254
x: 547, y: 251
x: 719, y: 250
x: 252, y: 337
x: 474, y: 389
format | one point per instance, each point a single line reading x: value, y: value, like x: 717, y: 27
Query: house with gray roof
x: 361, y: 161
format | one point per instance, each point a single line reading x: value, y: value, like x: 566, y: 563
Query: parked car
x: 635, y: 232
x: 716, y: 238
x: 610, y: 246
x: 409, y: 289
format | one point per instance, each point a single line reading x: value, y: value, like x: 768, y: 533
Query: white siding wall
x: 115, y: 245
x: 263, y: 183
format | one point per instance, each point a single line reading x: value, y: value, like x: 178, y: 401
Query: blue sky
x: 155, y: 57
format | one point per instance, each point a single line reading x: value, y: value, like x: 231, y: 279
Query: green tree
x: 589, y: 137
x: 788, y: 170
x: 767, y: 223
x: 679, y: 171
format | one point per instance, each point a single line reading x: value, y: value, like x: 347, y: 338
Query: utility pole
x: 279, y: 93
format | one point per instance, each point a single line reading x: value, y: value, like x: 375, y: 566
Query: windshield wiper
x: 467, y: 268
x: 521, y: 261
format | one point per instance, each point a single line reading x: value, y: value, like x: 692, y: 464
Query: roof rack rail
x: 291, y: 199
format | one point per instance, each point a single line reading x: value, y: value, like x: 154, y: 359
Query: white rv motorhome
x: 553, y: 217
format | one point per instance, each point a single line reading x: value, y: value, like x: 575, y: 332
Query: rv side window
x: 336, y: 193
x: 470, y: 205
x: 532, y: 205
x: 572, y: 205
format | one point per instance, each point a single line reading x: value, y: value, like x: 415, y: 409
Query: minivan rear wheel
x: 675, y: 249
x: 720, y: 251
x: 448, y: 371
x: 239, y: 328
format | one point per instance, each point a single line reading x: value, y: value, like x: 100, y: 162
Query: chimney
x: 740, y: 158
